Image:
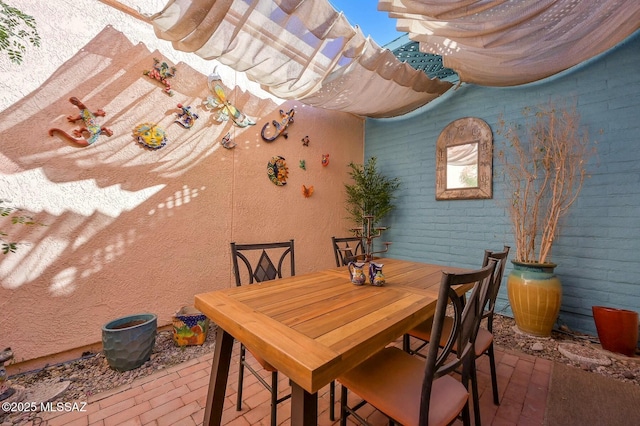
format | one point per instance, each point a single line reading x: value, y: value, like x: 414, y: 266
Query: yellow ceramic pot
x: 535, y: 294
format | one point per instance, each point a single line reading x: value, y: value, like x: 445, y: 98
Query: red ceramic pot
x: 617, y: 329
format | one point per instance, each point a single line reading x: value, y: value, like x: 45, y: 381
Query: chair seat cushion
x: 423, y: 332
x: 391, y: 381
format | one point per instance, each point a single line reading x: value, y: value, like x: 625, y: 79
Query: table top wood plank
x: 324, y: 315
x: 347, y: 311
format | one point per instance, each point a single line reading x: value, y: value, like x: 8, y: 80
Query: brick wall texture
x: 598, y: 250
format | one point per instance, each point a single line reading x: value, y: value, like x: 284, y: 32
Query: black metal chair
x: 258, y: 267
x: 484, y: 340
x: 407, y: 390
x: 347, y: 249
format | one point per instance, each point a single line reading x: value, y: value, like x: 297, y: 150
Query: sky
x: 365, y: 14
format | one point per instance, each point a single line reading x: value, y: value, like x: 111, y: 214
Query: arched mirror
x: 464, y: 160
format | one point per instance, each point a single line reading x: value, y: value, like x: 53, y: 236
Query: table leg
x: 218, y: 379
x: 304, y: 407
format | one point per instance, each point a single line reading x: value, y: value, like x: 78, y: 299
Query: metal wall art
x: 325, y: 160
x: 222, y: 107
x: 280, y: 127
x: 303, y: 164
x: 186, y: 118
x: 162, y: 72
x: 150, y: 135
x: 464, y: 160
x: 227, y: 142
x: 305, y: 141
x: 307, y: 192
x: 277, y: 170
x: 91, y: 127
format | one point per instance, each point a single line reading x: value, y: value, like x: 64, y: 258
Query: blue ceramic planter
x: 128, y: 341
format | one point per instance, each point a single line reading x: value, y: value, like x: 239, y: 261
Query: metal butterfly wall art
x: 222, y: 107
x: 307, y: 191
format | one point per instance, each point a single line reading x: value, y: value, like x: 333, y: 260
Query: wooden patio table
x: 317, y: 326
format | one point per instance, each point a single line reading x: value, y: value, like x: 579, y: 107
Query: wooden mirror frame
x: 461, y: 132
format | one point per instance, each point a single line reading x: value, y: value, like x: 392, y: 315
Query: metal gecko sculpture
x: 186, y: 118
x: 281, y: 127
x: 91, y: 126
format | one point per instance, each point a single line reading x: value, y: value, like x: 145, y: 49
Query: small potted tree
x: 371, y: 194
x: 544, y: 164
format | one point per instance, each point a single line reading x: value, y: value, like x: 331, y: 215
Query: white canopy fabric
x: 305, y: 50
x: 298, y: 49
x: 506, y: 43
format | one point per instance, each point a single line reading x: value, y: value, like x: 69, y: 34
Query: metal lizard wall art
x: 281, y: 127
x: 91, y: 126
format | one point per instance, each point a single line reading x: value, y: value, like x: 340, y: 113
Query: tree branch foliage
x: 16, y: 29
x: 370, y: 194
x: 17, y: 218
x: 545, y: 167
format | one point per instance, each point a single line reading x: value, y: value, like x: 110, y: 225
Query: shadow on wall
x: 84, y: 189
x: 128, y: 228
x: 131, y: 229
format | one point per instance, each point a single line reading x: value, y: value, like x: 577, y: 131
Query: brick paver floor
x: 177, y: 395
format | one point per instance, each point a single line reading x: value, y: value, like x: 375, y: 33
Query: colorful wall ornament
x: 307, y: 192
x: 150, y: 135
x: 277, y: 170
x: 281, y: 127
x: 325, y: 160
x: 186, y: 118
x: 227, y: 142
x: 91, y: 126
x: 223, y: 108
x: 162, y: 72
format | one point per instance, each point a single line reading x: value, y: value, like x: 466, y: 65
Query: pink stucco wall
x: 130, y: 230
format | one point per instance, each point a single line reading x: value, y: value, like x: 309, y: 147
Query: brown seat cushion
x: 423, y: 332
x: 391, y: 381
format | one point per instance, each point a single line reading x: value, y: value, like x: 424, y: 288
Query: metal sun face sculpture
x: 150, y: 135
x: 222, y: 107
x: 277, y: 170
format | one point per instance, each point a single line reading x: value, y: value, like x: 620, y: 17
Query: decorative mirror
x: 464, y: 160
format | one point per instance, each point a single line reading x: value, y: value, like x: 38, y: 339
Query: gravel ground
x: 571, y: 348
x: 91, y: 374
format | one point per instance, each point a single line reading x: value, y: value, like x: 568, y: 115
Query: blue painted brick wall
x: 598, y: 251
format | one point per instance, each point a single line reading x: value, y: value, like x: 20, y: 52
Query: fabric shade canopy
x: 298, y: 49
x: 506, y: 43
x: 305, y: 50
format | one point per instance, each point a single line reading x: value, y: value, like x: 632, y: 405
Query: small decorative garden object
x: 190, y: 327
